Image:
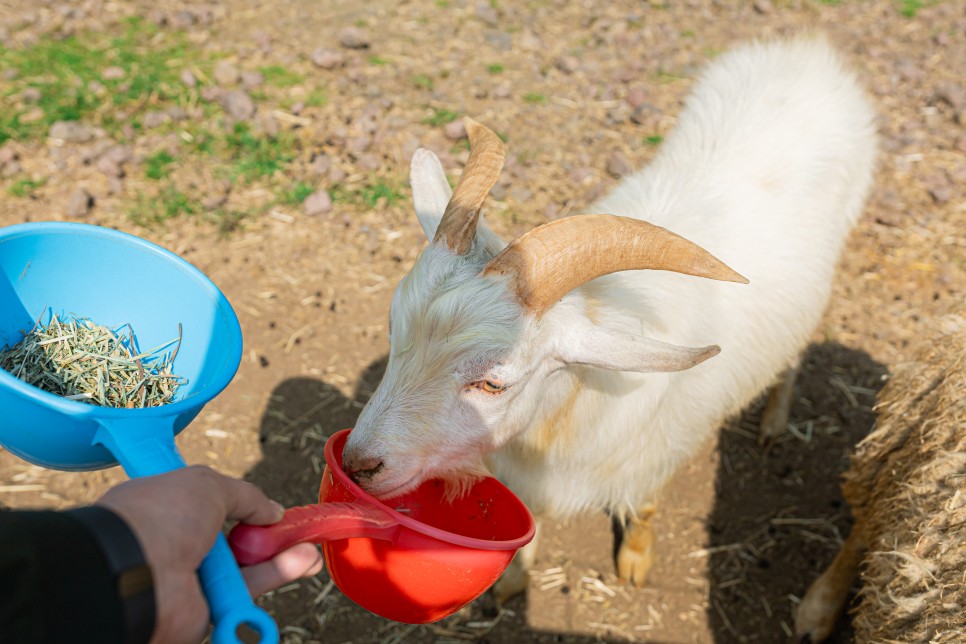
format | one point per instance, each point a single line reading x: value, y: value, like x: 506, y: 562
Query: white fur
x: 767, y: 169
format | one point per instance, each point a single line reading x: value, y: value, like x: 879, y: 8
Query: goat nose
x: 360, y: 469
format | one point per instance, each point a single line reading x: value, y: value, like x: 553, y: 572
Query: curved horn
x: 457, y: 229
x: 551, y: 260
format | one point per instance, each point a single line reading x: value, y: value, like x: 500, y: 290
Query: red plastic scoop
x: 309, y: 524
x: 416, y: 558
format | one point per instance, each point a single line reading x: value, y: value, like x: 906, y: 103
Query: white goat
x: 573, y: 387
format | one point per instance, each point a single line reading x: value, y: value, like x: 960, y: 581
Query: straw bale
x: 907, y: 489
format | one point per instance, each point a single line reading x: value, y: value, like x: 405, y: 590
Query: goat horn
x: 551, y: 260
x: 457, y: 228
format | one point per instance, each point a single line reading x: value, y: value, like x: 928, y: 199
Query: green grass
x: 68, y: 71
x: 156, y: 165
x: 495, y: 68
x: 909, y: 8
x: 167, y: 204
x: 422, y: 81
x: 533, y: 97
x: 280, y: 76
x: 253, y: 156
x: 441, y: 117
x: 377, y: 60
x: 298, y: 193
x: 654, y: 140
x: 25, y: 187
x: 368, y: 195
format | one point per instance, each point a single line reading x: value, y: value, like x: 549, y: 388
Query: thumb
x: 246, y: 503
x: 302, y: 560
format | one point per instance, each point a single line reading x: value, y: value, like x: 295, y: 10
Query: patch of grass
x: 495, y: 68
x: 68, y: 75
x: 280, y: 76
x: 441, y: 117
x: 654, y: 140
x: 316, y: 98
x: 254, y: 156
x: 368, y: 195
x: 167, y: 204
x: 664, y: 76
x: 909, y: 8
x: 442, y: 4
x: 831, y: 3
x: 156, y: 165
x: 25, y: 187
x: 377, y: 60
x: 422, y: 81
x: 533, y: 97
x: 298, y: 193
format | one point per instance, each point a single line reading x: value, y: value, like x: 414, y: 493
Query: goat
x: 583, y: 385
x: 907, y: 489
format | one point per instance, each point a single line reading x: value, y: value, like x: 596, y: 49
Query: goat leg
x: 774, y: 419
x: 635, y: 553
x: 825, y: 600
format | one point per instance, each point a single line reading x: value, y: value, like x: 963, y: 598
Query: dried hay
x: 907, y: 488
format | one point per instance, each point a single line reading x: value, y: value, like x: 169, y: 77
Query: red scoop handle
x: 252, y: 544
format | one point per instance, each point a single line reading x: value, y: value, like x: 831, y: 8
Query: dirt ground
x: 582, y: 91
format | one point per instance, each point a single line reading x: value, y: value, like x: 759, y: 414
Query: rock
x: 618, y: 166
x: 212, y: 94
x: 251, y: 79
x: 79, y: 204
x: 953, y: 95
x: 30, y: 95
x: 503, y: 90
x: 317, y: 203
x: 645, y: 114
x: 763, y: 6
x: 8, y: 154
x: 71, y: 132
x: 109, y: 167
x: 155, y: 119
x: 354, y: 38
x: 486, y: 13
x: 225, y: 73
x: 115, y: 185
x: 239, y: 104
x: 32, y: 115
x: 119, y: 154
x: 327, y: 58
x: 530, y: 41
x: 455, y: 130
x: 320, y: 165
x: 358, y: 144
x: 215, y: 200
x: 636, y: 97
x: 939, y: 188
x: 183, y: 19
x: 369, y: 162
x: 188, y: 78
x: 113, y: 73
x: 567, y: 64
x: 10, y: 74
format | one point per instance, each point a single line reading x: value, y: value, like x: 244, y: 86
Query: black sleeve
x: 60, y: 578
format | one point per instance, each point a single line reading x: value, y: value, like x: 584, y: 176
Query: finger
x: 246, y: 503
x: 303, y: 560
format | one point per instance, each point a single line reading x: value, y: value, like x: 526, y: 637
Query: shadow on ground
x: 779, y: 514
x: 302, y: 413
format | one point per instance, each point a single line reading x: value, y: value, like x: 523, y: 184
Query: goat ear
x: 431, y: 193
x: 607, y: 349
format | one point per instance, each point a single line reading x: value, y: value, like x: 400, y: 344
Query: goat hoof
x: 633, y: 565
x: 513, y: 582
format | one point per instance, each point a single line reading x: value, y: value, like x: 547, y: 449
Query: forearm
x: 61, y: 579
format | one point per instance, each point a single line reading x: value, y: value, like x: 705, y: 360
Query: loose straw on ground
x: 82, y: 361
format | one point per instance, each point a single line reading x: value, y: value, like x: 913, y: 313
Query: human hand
x: 177, y: 517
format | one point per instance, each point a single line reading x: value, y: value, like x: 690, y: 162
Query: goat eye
x: 492, y: 387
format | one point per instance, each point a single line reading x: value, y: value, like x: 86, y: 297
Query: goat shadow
x: 301, y: 414
x: 778, y: 514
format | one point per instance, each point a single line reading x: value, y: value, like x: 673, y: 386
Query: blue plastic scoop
x: 115, y: 279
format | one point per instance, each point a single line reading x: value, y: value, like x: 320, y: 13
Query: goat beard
x: 459, y: 481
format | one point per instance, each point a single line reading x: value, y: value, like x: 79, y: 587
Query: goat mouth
x: 395, y: 490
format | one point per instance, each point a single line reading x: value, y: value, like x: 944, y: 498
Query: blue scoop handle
x: 145, y: 446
